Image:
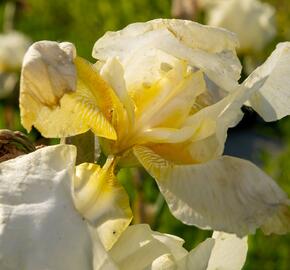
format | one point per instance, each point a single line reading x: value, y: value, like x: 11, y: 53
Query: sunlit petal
x: 102, y: 200
x: 113, y: 72
x: 105, y: 97
x: 228, y: 253
x: 76, y: 113
x: 48, y: 72
x: 140, y: 248
x: 210, y: 49
x: 203, y: 134
x: 271, y: 83
x: 168, y: 102
x: 54, y: 100
x: 227, y: 194
x: 39, y: 226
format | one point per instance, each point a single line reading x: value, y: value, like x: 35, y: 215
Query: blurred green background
x: 83, y: 22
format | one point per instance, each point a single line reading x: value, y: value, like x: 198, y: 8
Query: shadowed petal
x: 271, y: 83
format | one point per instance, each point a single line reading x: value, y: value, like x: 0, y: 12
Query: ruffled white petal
x: 270, y: 82
x: 227, y: 194
x: 210, y: 49
x: 192, y: 34
x: 39, y: 226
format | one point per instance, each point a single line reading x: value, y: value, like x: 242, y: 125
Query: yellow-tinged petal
x: 105, y: 97
x: 102, y: 200
x: 179, y: 90
x: 76, y: 113
x: 227, y: 194
x: 141, y: 248
x: 172, y: 152
x: 113, y: 73
x: 53, y: 99
x: 167, y: 135
x: 203, y: 134
x: 162, y: 108
x: 48, y: 72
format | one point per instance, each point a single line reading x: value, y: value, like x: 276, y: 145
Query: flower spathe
x: 41, y: 229
x: 163, y: 94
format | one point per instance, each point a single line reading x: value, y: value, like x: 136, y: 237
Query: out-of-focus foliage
x: 82, y: 22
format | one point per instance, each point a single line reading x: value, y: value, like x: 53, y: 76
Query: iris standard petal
x: 208, y: 48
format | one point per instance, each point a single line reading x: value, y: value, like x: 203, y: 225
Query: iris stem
x: 85, y: 144
x: 139, y: 204
x: 159, y: 207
